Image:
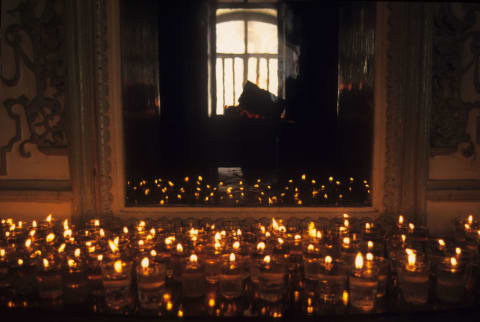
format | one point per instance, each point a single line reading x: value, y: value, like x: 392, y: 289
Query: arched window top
x: 261, y: 14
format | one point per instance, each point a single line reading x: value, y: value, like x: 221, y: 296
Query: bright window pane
x: 230, y: 37
x: 262, y: 37
x: 262, y: 80
x: 238, y: 78
x: 273, y: 84
x: 219, y: 81
x: 228, y: 81
x: 252, y: 70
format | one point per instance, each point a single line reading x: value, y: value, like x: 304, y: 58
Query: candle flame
x: 280, y: 241
x: 441, y: 242
x: 179, y: 248
x: 267, y: 259
x: 274, y: 224
x: 369, y: 257
x: 328, y: 259
x: 193, y: 258
x: 297, y: 237
x: 67, y: 233
x: 34, y: 224
x: 400, y: 220
x: 458, y: 251
x: 32, y: 233
x: 46, y: 264
x: 346, y: 241
x: 218, y: 236
x: 50, y: 237
x: 118, y: 266
x: 404, y: 238
x: 61, y: 248
x: 412, y: 258
x: 145, y: 262
x: 318, y: 234
x: 470, y: 219
x: 141, y: 243
x: 20, y: 262
x: 65, y: 224
x: 304, y: 177
x: 211, y: 302
x: 453, y: 261
x: 77, y: 252
x: 49, y: 218
x: 467, y: 227
x: 232, y: 257
x: 346, y: 223
x: 28, y: 242
x: 367, y: 226
x: 260, y: 246
x: 100, y: 257
x: 102, y: 232
x: 2, y: 252
x: 310, y: 248
x: 96, y: 223
x: 113, y: 246
x: 370, y: 244
x: 411, y: 227
x: 236, y: 245
x: 125, y: 230
x: 345, y: 297
x: 71, y: 263
x: 359, y: 261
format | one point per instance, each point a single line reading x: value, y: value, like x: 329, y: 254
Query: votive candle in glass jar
x: 212, y: 260
x: 49, y: 281
x: 193, y: 277
x: 75, y: 281
x: 414, y: 279
x: 332, y: 280
x: 272, y: 277
x: 363, y: 284
x: 117, y: 277
x: 451, y: 280
x: 232, y: 277
x: 150, y: 284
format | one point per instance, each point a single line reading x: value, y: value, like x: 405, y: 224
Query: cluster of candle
x: 197, y: 190
x: 274, y: 266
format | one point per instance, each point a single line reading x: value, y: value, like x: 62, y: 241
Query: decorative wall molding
x: 45, y: 111
x: 453, y: 190
x: 453, y: 35
x: 408, y: 107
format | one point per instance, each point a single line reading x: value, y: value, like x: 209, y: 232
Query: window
x: 246, y: 48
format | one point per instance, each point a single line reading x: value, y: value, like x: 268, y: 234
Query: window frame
x: 254, y: 16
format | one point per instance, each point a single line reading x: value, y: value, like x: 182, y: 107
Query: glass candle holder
x: 332, y: 280
x: 451, y: 280
x: 272, y: 277
x: 211, y: 259
x: 150, y: 284
x: 75, y: 284
x: 383, y: 266
x: 414, y: 280
x: 193, y: 277
x: 232, y: 277
x: 49, y: 279
x: 117, y: 277
x: 363, y: 285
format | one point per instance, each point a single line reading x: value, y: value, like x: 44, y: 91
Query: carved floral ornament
x: 456, y: 51
x: 44, y: 112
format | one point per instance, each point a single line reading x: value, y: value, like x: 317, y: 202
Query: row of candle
x: 337, y: 261
x: 198, y: 190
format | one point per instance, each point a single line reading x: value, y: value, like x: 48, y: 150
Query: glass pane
x: 238, y: 78
x: 228, y: 81
x: 262, y: 37
x: 252, y: 69
x: 263, y: 74
x: 219, y: 81
x: 273, y: 76
x: 230, y: 37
